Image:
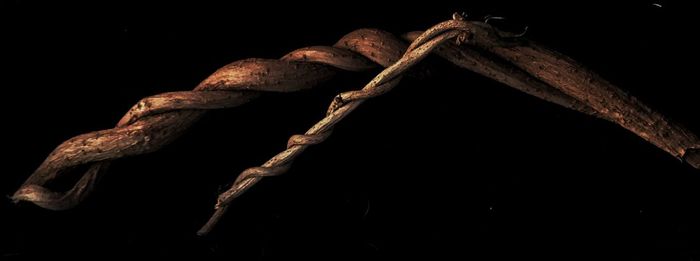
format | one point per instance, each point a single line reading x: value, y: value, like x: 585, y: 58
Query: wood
x: 507, y: 58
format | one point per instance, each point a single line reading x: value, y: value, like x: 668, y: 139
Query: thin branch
x: 505, y: 57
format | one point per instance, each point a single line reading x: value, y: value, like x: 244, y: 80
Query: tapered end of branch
x: 692, y: 156
x: 212, y: 221
x: 42, y: 197
x: 60, y: 200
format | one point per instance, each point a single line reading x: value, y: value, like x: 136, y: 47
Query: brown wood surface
x: 507, y: 58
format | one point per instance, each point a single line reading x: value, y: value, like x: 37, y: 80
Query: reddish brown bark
x: 157, y: 120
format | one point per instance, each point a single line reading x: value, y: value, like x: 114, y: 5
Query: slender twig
x: 157, y: 120
x: 484, y: 36
x: 343, y: 104
x: 505, y: 57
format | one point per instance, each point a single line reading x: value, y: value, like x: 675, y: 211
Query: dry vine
x: 157, y: 120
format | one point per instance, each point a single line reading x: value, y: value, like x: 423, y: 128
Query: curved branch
x: 157, y: 120
x: 480, y: 35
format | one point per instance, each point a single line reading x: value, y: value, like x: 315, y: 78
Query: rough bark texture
x: 611, y: 102
x: 157, y: 120
x: 501, y: 71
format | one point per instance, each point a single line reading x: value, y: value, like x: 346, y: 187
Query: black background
x: 450, y: 165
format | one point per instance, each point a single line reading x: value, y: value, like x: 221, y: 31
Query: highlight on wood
x: 477, y: 46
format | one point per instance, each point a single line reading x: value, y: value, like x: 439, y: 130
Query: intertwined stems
x: 343, y: 104
x: 156, y: 120
x: 574, y: 81
x: 506, y: 58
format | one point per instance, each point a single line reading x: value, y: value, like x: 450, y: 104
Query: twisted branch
x: 157, y: 120
x: 342, y: 106
x: 422, y: 44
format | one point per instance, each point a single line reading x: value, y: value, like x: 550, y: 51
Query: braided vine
x: 157, y: 120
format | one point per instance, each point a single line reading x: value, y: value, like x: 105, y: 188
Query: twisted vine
x: 157, y: 120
